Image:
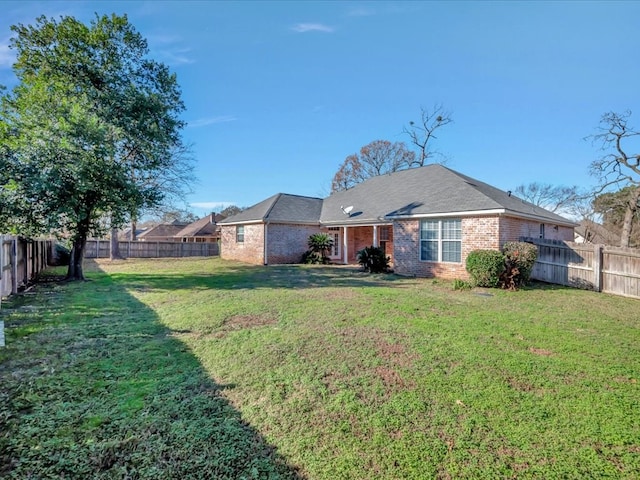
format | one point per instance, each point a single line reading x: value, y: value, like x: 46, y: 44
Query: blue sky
x: 279, y: 93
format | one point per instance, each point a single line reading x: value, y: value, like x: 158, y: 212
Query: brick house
x: 427, y: 219
x: 205, y: 230
x: 162, y: 233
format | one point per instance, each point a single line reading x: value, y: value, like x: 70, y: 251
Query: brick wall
x: 287, y: 243
x: 250, y: 251
x: 511, y: 229
x: 477, y: 233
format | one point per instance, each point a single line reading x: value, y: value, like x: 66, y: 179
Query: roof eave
x: 556, y: 221
x: 359, y: 223
x: 269, y: 221
x: 241, y: 222
x: 478, y: 213
x: 469, y: 213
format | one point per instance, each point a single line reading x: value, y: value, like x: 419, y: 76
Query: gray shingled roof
x: 201, y: 227
x: 281, y: 208
x: 424, y: 191
x: 430, y: 190
x: 163, y: 230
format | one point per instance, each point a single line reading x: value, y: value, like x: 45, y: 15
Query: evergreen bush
x: 485, y: 267
x: 373, y: 260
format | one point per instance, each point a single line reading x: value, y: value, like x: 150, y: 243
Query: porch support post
x: 345, y: 252
x: 375, y: 236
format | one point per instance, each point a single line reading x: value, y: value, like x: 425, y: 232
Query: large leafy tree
x: 88, y: 130
x: 618, y: 169
x: 376, y: 158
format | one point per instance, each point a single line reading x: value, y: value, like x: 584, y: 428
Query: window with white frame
x: 441, y: 240
x: 239, y: 233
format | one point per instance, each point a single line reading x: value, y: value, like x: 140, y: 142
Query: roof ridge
x: 301, y: 196
x: 277, y: 196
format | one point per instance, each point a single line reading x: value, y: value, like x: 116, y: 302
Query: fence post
x: 1, y: 262
x: 597, y: 267
x: 14, y: 266
x: 26, y: 262
x: 1, y: 272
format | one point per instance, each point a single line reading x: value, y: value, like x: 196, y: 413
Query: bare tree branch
x: 550, y: 197
x: 423, y: 132
x: 618, y: 167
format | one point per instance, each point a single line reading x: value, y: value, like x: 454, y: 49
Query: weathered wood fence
x: 100, y: 249
x: 601, y: 268
x: 20, y: 261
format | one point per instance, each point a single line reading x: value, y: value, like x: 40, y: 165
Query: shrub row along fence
x: 101, y: 248
x: 602, y: 268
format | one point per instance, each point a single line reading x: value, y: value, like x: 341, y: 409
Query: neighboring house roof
x: 126, y: 233
x: 163, y: 230
x: 203, y: 227
x: 593, y: 232
x: 281, y: 208
x: 432, y: 190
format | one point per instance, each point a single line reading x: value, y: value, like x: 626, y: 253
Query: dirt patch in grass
x: 369, y: 356
x: 395, y: 353
x: 392, y: 380
x: 238, y: 322
x: 541, y: 351
x: 231, y: 324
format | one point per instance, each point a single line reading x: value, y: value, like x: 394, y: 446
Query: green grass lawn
x: 201, y: 368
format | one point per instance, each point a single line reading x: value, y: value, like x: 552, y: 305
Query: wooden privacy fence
x: 100, y: 249
x: 602, y: 268
x: 20, y: 261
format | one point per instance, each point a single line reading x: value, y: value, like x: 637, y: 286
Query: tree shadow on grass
x: 236, y: 276
x: 93, y: 386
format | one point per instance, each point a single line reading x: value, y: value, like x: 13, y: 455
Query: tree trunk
x: 629, y: 214
x: 114, y: 245
x: 132, y: 235
x: 75, y: 271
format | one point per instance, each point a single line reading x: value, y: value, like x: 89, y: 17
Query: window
x: 240, y: 234
x: 542, y: 230
x: 384, y: 233
x: 441, y: 240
